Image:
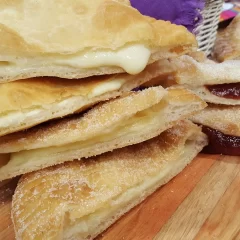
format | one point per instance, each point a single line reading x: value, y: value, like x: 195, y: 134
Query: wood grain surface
x: 201, y: 203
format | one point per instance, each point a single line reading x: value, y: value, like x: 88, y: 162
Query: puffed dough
x: 77, y: 39
x: 26, y: 103
x: 117, y: 123
x: 80, y: 199
x: 187, y: 70
x: 225, y: 119
x: 195, y: 73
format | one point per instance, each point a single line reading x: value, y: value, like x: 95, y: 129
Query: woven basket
x: 207, y: 31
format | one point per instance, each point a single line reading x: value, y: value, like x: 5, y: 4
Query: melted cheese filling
x: 73, y: 103
x: 133, y: 59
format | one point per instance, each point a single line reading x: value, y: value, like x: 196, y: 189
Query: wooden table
x: 201, y: 203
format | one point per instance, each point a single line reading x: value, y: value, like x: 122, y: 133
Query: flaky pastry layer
x: 79, y: 200
x: 192, y: 72
x: 115, y: 124
x: 196, y: 71
x: 225, y: 119
x: 26, y: 103
x: 82, y: 38
x: 209, y: 97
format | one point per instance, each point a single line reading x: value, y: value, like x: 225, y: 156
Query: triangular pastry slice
x: 227, y: 45
x: 222, y: 118
x: 115, y: 124
x: 222, y: 125
x: 217, y: 83
x: 77, y: 39
x: 26, y: 103
x: 80, y: 199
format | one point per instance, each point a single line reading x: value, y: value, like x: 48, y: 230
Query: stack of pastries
x: 216, y: 82
x: 219, y: 85
x: 88, y: 144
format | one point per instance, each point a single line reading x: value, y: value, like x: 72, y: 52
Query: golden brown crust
x: 80, y: 126
x: 26, y: 96
x: 192, y: 72
x: 225, y: 119
x: 187, y: 70
x: 28, y: 93
x: 48, y: 203
x: 12, y: 72
x: 76, y: 27
x: 41, y: 91
x: 101, y: 130
x: 227, y: 45
x: 103, y: 116
x: 209, y: 97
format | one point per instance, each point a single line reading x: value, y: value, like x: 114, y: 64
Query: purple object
x: 181, y: 12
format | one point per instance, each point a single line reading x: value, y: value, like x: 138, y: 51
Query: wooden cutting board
x: 201, y: 203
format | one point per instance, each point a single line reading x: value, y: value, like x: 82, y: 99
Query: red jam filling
x: 220, y: 143
x: 230, y: 90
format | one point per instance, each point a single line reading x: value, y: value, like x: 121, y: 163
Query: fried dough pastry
x: 77, y: 39
x: 26, y: 103
x: 221, y: 124
x: 200, y: 76
x: 225, y: 119
x: 80, y: 199
x: 115, y: 124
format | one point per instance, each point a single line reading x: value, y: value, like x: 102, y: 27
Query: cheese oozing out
x: 132, y: 59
